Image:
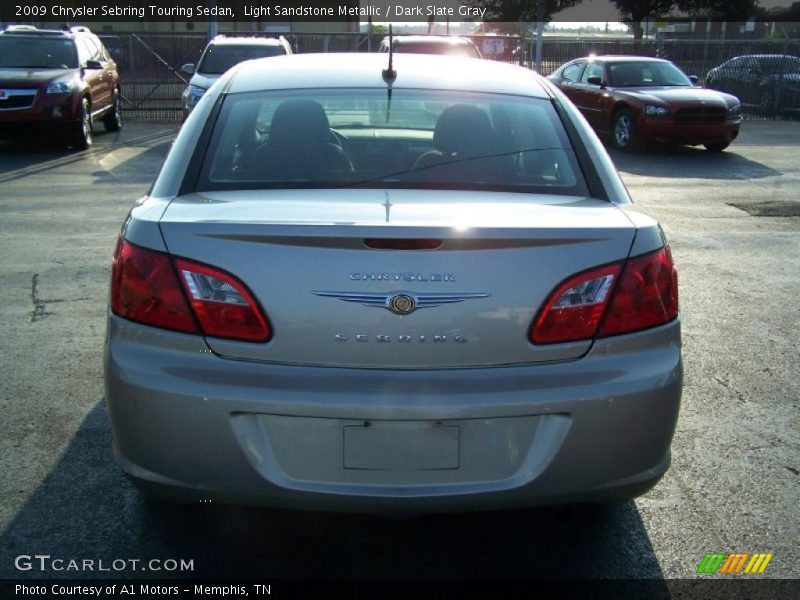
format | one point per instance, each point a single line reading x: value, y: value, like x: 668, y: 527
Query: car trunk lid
x: 327, y: 294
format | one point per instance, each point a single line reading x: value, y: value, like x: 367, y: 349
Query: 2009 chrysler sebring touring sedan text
x: 424, y: 288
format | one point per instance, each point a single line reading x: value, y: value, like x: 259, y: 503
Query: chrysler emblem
x: 400, y: 302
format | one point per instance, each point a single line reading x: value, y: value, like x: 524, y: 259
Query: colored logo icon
x: 736, y: 563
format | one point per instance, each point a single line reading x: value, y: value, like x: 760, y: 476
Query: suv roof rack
x: 30, y: 30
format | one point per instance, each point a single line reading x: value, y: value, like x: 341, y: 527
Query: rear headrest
x: 300, y: 119
x: 463, y: 129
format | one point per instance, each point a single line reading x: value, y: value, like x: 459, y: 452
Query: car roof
x: 424, y: 71
x: 623, y: 58
x: 765, y: 56
x: 39, y: 33
x: 246, y: 41
x: 34, y: 32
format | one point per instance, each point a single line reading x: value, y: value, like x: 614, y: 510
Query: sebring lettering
x: 399, y: 339
x: 401, y: 277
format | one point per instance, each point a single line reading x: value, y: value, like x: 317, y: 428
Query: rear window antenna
x: 389, y: 74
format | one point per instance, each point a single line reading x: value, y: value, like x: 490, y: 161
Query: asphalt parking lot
x: 734, y: 223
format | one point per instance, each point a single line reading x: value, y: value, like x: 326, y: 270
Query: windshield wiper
x: 446, y: 163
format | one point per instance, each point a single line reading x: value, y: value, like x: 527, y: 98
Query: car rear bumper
x: 690, y: 133
x: 192, y: 426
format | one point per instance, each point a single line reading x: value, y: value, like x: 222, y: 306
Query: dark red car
x: 58, y: 82
x: 631, y: 99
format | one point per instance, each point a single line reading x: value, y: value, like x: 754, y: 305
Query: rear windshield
x: 413, y: 139
x: 218, y: 59
x: 37, y: 53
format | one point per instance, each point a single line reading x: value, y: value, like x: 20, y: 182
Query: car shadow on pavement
x: 85, y: 508
x: 132, y: 155
x: 24, y: 155
x: 685, y: 162
x: 132, y: 165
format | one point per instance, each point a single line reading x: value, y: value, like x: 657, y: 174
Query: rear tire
x: 623, y: 131
x: 113, y: 120
x: 80, y: 135
x: 717, y: 147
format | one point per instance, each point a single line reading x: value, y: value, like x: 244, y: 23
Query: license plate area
x: 401, y: 446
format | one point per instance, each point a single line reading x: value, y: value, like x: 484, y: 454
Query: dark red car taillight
x: 148, y: 289
x: 610, y: 300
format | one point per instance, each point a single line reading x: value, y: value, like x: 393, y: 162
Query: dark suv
x: 53, y: 80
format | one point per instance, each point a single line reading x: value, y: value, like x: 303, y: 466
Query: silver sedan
x: 422, y: 288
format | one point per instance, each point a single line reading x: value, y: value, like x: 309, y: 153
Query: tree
x: 633, y: 12
x: 379, y: 29
x: 729, y: 10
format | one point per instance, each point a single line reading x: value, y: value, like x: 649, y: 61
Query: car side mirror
x: 188, y: 68
x: 94, y: 64
x: 694, y: 79
x: 594, y: 80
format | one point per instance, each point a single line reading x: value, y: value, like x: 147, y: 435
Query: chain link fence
x: 768, y: 84
x: 149, y: 67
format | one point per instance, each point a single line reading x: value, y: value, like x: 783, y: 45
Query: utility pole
x: 212, y: 23
x: 539, y: 35
x: 522, y: 31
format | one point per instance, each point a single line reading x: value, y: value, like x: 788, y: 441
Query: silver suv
x: 221, y: 54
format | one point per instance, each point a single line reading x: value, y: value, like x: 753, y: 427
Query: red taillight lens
x: 144, y: 289
x: 222, y: 304
x: 396, y: 244
x: 646, y: 295
x: 642, y: 295
x: 575, y: 308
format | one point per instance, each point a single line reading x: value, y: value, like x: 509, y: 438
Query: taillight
x: 575, y: 308
x: 646, y: 295
x: 222, y: 304
x: 611, y: 300
x: 146, y: 288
